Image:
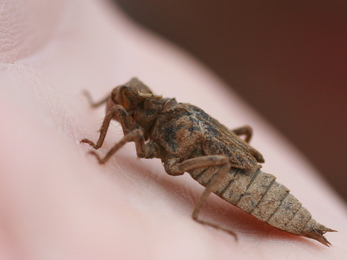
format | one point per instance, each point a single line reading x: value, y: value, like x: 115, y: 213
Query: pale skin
x: 58, y: 202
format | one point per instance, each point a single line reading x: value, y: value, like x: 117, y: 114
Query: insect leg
x: 92, y: 103
x: 216, y: 180
x: 248, y: 132
x: 144, y: 150
x: 176, y: 168
x: 244, y: 130
x: 118, y: 112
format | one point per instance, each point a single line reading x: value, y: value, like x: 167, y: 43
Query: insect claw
x: 97, y: 157
x: 85, y: 140
x: 234, y: 235
x: 229, y: 231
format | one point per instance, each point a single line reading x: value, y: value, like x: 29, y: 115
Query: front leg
x: 91, y: 101
x: 143, y: 150
x: 116, y: 112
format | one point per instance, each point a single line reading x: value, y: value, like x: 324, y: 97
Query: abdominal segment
x: 260, y: 195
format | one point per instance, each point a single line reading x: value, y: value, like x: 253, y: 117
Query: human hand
x: 58, y: 202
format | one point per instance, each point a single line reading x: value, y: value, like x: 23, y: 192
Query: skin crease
x: 57, y: 202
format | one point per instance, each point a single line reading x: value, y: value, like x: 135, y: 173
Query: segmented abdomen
x: 260, y: 195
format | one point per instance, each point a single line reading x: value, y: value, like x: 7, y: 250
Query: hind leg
x: 172, y: 167
x: 246, y: 130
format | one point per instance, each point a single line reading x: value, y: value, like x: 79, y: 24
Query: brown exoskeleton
x: 186, y: 139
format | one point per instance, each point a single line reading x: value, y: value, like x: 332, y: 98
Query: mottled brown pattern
x: 187, y: 139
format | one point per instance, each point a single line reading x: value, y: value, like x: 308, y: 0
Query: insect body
x: 186, y: 139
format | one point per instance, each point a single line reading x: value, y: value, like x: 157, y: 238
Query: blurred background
x: 286, y: 59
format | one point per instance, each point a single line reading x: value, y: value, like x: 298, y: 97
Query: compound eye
x: 114, y: 95
x: 124, y: 96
